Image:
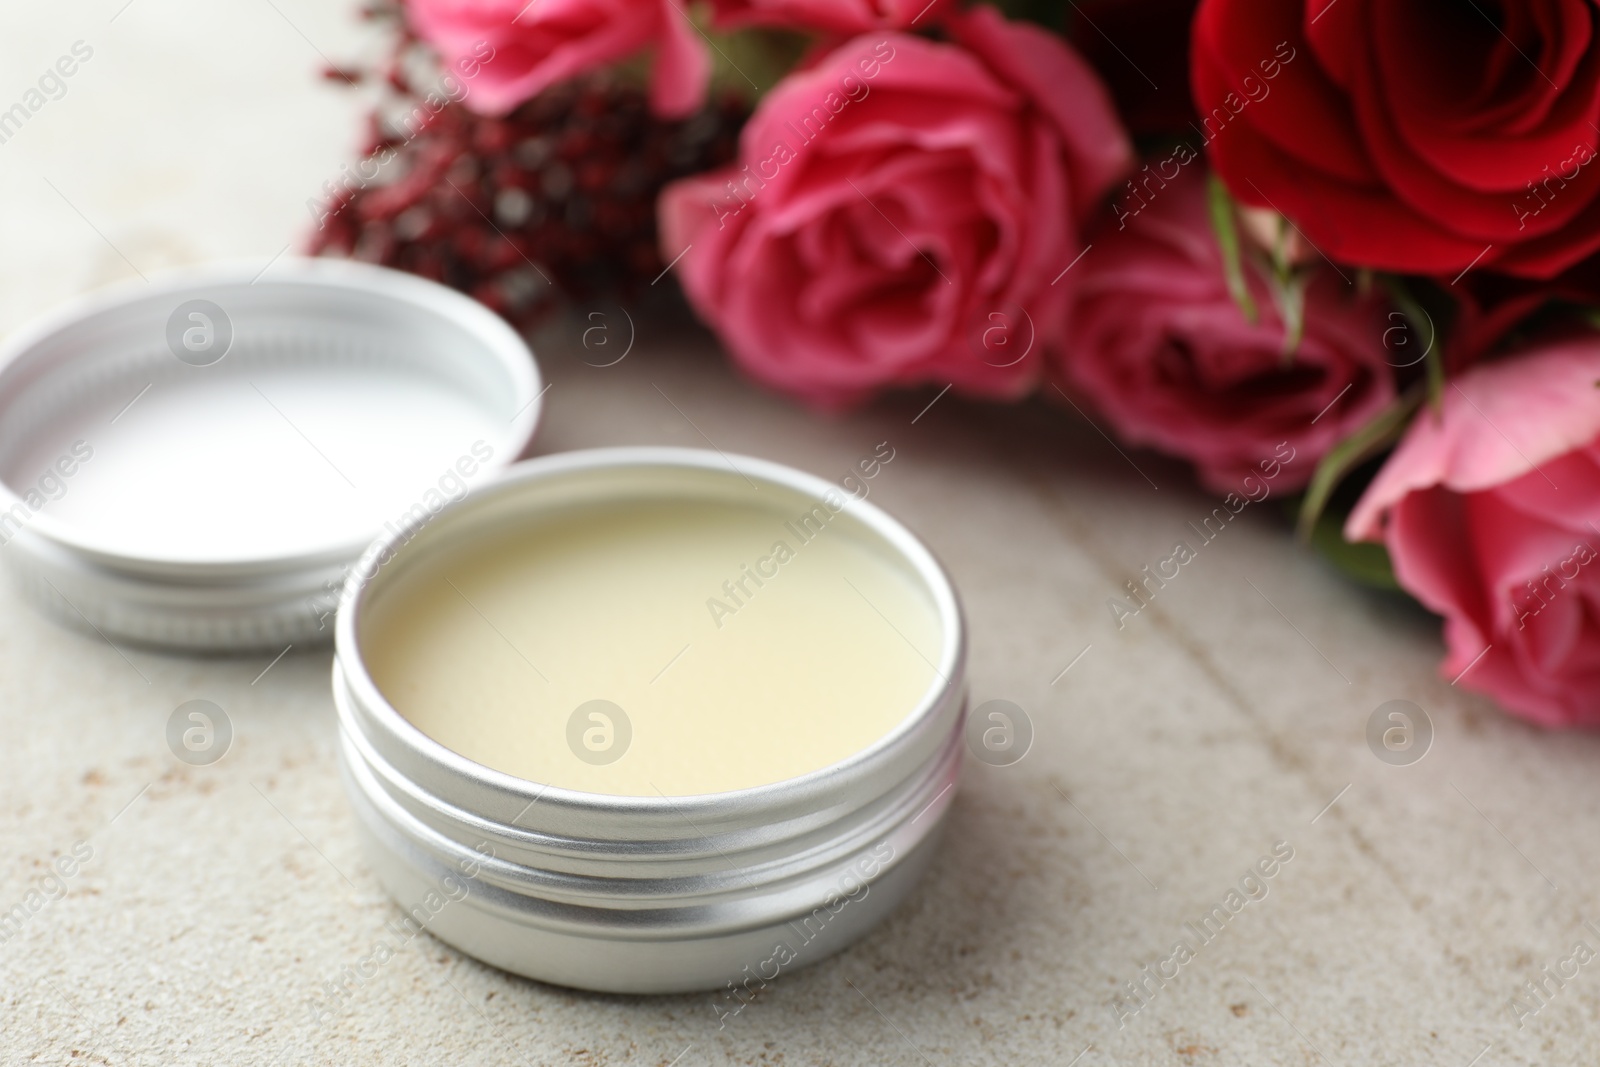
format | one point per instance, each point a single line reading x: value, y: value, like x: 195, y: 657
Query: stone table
x: 1175, y: 748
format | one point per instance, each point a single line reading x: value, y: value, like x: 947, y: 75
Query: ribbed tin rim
x: 511, y: 352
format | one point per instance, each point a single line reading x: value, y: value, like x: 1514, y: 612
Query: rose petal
x: 1497, y: 423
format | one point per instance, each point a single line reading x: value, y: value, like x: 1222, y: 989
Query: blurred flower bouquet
x: 1355, y: 243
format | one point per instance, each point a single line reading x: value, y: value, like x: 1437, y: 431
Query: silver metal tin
x: 392, y: 349
x: 645, y: 894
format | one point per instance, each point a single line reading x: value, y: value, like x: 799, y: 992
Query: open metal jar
x: 545, y: 779
x: 194, y: 461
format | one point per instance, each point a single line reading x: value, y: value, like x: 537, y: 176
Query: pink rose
x: 509, y: 51
x: 1160, y: 347
x: 830, y: 16
x: 1489, y: 513
x: 899, y: 211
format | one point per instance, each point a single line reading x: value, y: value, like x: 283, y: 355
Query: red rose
x: 1411, y: 135
x: 1159, y: 346
x: 899, y: 212
x: 1490, y: 308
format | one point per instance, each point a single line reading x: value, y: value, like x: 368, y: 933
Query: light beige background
x: 1171, y: 756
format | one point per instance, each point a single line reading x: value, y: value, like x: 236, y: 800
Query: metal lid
x: 197, y: 461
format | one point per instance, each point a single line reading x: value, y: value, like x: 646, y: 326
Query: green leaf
x: 1222, y: 222
x: 1366, y: 562
x: 1289, y: 295
x: 1377, y: 434
x: 1051, y: 15
x: 749, y: 61
x: 1422, y: 325
x: 1280, y: 251
x: 1363, y: 282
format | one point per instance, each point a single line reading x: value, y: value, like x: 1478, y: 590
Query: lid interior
x: 335, y: 408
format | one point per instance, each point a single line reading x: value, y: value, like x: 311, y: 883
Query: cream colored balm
x: 744, y: 645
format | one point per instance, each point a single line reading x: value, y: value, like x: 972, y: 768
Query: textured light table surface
x: 1176, y: 751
